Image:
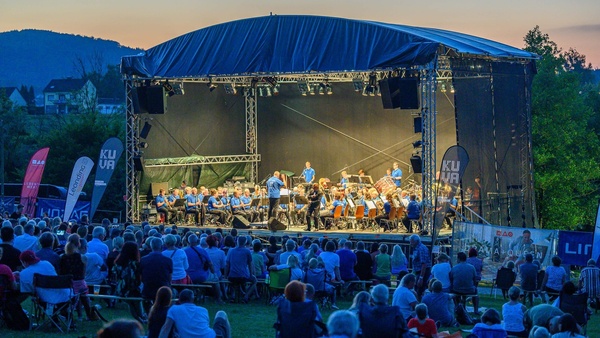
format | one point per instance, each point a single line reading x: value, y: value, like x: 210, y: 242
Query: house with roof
x: 14, y: 95
x: 68, y: 96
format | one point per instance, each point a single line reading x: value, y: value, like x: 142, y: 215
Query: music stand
x: 264, y: 201
x: 180, y: 202
x: 370, y: 205
x: 255, y: 202
x: 205, y: 199
x: 297, y: 180
x: 366, y: 180
x: 354, y: 179
x: 284, y: 199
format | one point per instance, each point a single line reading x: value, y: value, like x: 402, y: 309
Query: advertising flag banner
x: 107, y: 161
x: 575, y: 247
x: 453, y: 167
x: 31, y: 183
x: 596, y: 247
x: 81, y: 171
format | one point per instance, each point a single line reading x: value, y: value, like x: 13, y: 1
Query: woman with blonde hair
x: 398, y: 260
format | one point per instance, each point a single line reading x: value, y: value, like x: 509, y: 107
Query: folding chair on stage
x: 59, y: 314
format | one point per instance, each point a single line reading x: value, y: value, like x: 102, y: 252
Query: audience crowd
x: 152, y: 262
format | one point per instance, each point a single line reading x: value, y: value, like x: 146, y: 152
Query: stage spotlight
x: 211, y: 86
x: 261, y: 91
x: 249, y: 92
x: 452, y: 90
x: 321, y: 89
x: 313, y: 89
x: 275, y: 91
x: 303, y: 87
x: 443, y: 89
x: 230, y: 88
x: 268, y: 91
x: 142, y: 145
x: 358, y: 85
x: 168, y: 88
x: 328, y: 89
x: 372, y: 79
x: 417, y: 144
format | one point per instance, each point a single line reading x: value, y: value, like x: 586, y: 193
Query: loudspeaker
x: 138, y: 163
x: 400, y: 93
x: 275, y: 225
x: 418, y: 124
x: 416, y: 163
x: 150, y: 100
x: 240, y: 222
x: 145, y: 130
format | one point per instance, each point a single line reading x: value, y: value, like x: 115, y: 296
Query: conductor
x: 274, y: 185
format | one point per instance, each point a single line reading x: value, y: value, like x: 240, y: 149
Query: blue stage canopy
x: 299, y: 44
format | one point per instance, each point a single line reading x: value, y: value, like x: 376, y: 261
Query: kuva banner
x: 575, y: 247
x: 109, y: 156
x: 31, y: 182
x: 56, y: 208
x: 81, y: 171
x: 453, y: 167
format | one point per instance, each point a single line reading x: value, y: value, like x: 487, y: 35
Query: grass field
x: 247, y: 320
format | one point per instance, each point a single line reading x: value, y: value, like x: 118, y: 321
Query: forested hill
x: 34, y: 57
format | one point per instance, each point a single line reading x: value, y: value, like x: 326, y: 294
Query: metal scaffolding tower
x: 428, y: 76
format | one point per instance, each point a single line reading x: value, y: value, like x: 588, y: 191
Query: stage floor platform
x: 368, y: 235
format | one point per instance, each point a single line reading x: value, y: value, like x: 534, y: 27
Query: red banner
x: 31, y: 183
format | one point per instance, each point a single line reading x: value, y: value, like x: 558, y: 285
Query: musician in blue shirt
x: 237, y: 206
x: 308, y: 173
x: 215, y: 207
x: 161, y: 204
x: 344, y: 180
x: 274, y: 185
x: 397, y: 175
x: 246, y: 199
x: 178, y: 211
x: 191, y: 204
x: 413, y: 212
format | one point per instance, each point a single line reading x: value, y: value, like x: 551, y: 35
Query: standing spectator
x: 127, y: 271
x: 156, y: 271
x: 464, y: 280
x: 72, y: 263
x: 404, y: 297
x: 95, y: 270
x: 158, y: 313
x: 513, y: 314
x: 555, y: 277
x: 440, y: 305
x: 27, y: 241
x: 239, y: 267
x: 441, y: 271
x: 96, y: 245
x: 383, y: 265
x: 364, y: 262
x: 348, y: 261
x: 529, y: 272
x: 110, y: 260
x: 425, y: 326
x: 46, y: 253
x: 589, y: 281
x: 180, y: 261
x: 332, y: 262
x: 421, y: 262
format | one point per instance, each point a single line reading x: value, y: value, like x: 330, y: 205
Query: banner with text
x: 109, y: 156
x: 575, y: 247
x: 453, y: 167
x: 56, y: 208
x: 497, y: 245
x: 31, y: 182
x: 81, y: 171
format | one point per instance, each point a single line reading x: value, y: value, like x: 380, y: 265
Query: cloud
x: 582, y: 29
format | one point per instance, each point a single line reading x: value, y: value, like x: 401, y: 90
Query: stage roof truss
x: 199, y: 160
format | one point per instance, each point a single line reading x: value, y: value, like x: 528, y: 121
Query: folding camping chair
x: 60, y: 314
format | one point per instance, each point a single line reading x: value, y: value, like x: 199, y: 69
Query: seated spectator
x: 513, y: 314
x: 539, y: 332
x: 490, y: 326
x: 348, y: 261
x: 381, y: 320
x: 290, y: 249
x: 568, y: 288
x: 221, y: 325
x: 399, y: 260
x: 441, y: 271
x: 127, y: 273
x: 189, y: 319
x: 342, y: 324
x: 158, y: 313
x: 73, y: 263
x: 258, y: 260
x: 27, y: 241
x: 540, y: 315
x: 310, y: 295
x: 32, y: 266
x: 95, y: 270
x: 405, y: 298
x: 295, y: 316
x: 424, y: 325
x: 509, y: 269
x: 11, y: 254
x: 239, y: 267
x: 383, y: 265
x: 46, y: 253
x: 121, y: 328
x: 362, y: 297
x: 199, y: 264
x: 464, y: 280
x: 567, y: 327
x: 441, y: 308
x: 476, y: 262
x: 555, y: 277
x: 528, y: 272
x: 332, y: 263
x: 317, y: 276
x: 589, y: 281
x: 156, y: 271
x: 292, y: 263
